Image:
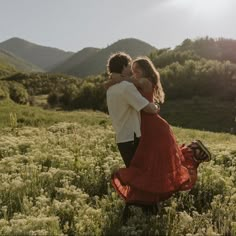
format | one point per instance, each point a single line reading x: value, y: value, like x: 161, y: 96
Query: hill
x: 75, y: 60
x: 43, y: 57
x: 221, y: 49
x: 96, y: 63
x: 10, y: 63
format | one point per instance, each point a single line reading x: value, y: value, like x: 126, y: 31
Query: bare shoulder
x: 146, y: 84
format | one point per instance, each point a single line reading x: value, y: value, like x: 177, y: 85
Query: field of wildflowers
x: 55, y: 180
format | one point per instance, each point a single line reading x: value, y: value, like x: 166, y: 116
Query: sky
x: 72, y: 25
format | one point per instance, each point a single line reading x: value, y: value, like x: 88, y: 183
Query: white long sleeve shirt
x: 124, y: 103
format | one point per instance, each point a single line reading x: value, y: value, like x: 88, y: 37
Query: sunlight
x: 205, y: 8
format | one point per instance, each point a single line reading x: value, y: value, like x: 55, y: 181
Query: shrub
x: 4, y: 93
x: 18, y: 93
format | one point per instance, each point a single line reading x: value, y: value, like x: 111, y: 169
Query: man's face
x: 127, y: 70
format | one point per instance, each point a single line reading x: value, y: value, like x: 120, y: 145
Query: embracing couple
x: 156, y: 166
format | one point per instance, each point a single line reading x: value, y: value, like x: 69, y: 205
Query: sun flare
x: 204, y: 8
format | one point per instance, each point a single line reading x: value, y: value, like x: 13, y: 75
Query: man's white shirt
x: 124, y: 103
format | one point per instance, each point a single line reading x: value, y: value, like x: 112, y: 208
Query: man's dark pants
x: 128, y: 149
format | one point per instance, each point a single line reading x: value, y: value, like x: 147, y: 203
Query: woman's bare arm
x: 142, y: 83
x: 113, y: 79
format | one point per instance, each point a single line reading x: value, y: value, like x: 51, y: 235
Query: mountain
x: 95, y: 63
x: 75, y: 60
x: 43, y: 57
x: 10, y: 63
x: 221, y: 49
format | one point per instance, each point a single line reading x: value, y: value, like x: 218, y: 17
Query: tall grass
x: 55, y: 170
x: 38, y: 117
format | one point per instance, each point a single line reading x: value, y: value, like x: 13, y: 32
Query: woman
x: 159, y: 167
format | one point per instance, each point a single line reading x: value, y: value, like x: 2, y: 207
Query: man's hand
x: 158, y: 107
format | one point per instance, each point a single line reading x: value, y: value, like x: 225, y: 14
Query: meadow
x: 55, y: 169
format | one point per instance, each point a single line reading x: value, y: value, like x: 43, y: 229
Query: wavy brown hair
x: 117, y: 61
x: 151, y: 73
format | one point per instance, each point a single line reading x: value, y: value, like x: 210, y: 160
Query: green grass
x: 201, y: 113
x: 35, y: 116
x: 55, y: 170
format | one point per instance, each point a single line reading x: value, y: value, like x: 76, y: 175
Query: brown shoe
x: 201, y: 153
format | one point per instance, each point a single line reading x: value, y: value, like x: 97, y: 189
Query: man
x: 124, y: 104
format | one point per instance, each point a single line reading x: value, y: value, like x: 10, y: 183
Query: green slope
x: 75, y: 60
x: 10, y: 62
x: 43, y: 57
x: 96, y: 64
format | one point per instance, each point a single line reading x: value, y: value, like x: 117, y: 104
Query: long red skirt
x: 159, y: 167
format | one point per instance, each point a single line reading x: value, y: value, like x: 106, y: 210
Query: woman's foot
x: 201, y: 153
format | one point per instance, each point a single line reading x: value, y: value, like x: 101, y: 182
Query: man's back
x: 124, y: 103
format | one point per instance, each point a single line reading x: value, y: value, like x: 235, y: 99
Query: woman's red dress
x: 159, y: 167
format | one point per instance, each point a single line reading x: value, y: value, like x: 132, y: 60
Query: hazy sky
x: 74, y: 24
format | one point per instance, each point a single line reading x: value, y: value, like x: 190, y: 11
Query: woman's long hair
x: 151, y: 73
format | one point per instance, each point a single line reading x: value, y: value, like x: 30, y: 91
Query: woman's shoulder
x: 147, y: 85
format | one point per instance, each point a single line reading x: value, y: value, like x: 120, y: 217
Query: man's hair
x: 117, y: 61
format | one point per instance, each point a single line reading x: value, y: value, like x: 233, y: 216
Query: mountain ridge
x: 75, y: 59
x: 87, y: 61
x: 42, y: 56
x: 14, y: 63
x: 96, y: 64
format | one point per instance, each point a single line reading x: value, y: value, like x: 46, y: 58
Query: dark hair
x: 117, y: 61
x: 151, y: 73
